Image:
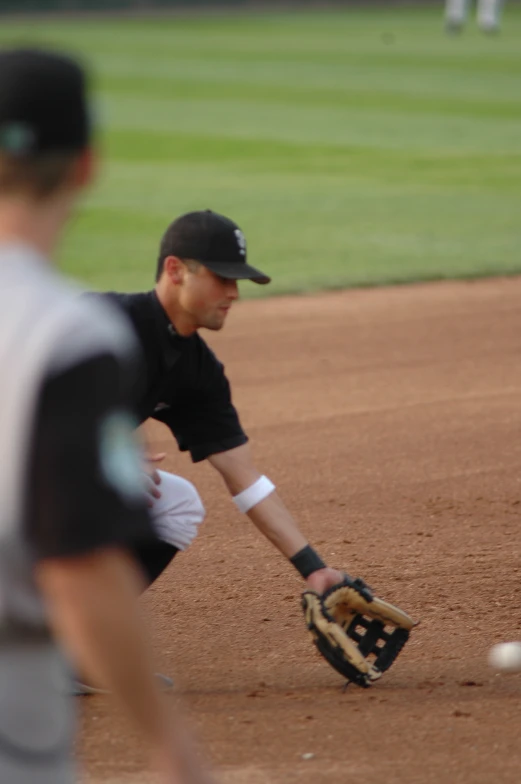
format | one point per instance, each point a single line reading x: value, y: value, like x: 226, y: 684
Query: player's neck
x: 37, y: 224
x: 182, y: 322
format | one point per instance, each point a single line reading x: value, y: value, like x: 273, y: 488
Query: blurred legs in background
x: 488, y: 14
x: 455, y: 14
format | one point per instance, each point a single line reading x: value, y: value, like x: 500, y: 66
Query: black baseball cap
x: 43, y: 103
x: 214, y: 241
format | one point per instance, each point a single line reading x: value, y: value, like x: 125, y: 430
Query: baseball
x: 505, y: 657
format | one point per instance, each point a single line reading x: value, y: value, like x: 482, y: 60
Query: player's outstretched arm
x: 92, y: 603
x: 271, y: 516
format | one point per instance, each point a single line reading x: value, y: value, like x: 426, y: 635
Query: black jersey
x: 184, y: 384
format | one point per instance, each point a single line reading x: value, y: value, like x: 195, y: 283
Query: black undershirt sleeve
x: 82, y: 464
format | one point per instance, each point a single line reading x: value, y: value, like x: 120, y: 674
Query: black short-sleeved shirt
x: 83, y: 467
x: 184, y: 385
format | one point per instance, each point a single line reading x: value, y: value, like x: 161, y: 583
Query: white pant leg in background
x: 179, y: 512
x: 456, y: 11
x: 489, y: 12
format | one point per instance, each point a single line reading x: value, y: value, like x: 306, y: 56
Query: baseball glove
x: 357, y: 633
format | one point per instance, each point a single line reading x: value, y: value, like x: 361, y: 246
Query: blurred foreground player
x: 488, y: 14
x: 71, y: 498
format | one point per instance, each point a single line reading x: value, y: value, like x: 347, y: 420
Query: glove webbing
x: 368, y: 642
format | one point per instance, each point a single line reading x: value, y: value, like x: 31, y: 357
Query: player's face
x: 207, y: 298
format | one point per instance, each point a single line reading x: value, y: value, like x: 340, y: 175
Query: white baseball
x: 505, y: 657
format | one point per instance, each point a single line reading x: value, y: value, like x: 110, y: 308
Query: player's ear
x: 175, y: 269
x: 85, y: 168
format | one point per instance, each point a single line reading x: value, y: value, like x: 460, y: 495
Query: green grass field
x: 354, y: 148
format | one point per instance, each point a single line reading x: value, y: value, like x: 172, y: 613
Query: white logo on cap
x: 241, y: 241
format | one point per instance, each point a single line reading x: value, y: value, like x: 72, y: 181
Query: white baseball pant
x: 488, y: 12
x: 179, y: 512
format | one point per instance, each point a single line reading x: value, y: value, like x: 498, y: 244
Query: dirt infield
x: 390, y: 421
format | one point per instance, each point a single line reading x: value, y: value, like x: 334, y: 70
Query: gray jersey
x: 46, y: 332
x: 44, y: 328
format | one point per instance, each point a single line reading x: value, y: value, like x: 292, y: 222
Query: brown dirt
x: 390, y: 421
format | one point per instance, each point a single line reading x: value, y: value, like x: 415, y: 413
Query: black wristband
x: 307, y: 561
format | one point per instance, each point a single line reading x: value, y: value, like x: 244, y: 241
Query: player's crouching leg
x: 179, y: 512
x: 176, y: 515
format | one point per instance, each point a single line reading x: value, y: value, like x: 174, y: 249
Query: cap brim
x: 234, y: 271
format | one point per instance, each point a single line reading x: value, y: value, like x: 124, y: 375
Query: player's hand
x: 152, y: 477
x: 323, y: 579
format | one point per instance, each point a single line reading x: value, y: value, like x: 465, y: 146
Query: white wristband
x: 254, y: 494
